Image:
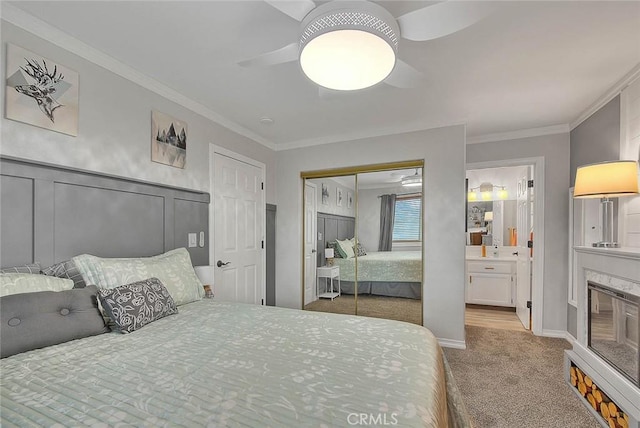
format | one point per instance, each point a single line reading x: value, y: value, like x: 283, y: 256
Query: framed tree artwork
x: 41, y: 92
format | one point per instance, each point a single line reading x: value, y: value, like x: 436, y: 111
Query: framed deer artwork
x: 41, y: 92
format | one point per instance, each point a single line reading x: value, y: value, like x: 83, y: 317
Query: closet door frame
x: 355, y: 170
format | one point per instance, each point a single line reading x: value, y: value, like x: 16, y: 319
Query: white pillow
x: 347, y: 247
x: 173, y: 269
x: 16, y: 283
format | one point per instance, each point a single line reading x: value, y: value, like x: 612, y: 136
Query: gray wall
x: 597, y: 139
x: 115, y: 127
x: 443, y: 151
x: 555, y: 150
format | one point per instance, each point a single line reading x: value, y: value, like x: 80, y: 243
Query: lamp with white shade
x: 328, y: 255
x: 205, y: 275
x: 606, y: 180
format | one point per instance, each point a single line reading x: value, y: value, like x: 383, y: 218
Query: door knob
x: 221, y: 263
x: 515, y: 254
x: 313, y: 251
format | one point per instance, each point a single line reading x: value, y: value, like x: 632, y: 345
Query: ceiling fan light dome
x: 348, y: 45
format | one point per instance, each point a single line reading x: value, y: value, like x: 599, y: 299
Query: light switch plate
x: 201, y: 239
x: 193, y: 240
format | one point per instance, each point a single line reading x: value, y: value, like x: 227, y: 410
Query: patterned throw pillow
x: 359, y: 250
x: 135, y: 305
x: 33, y: 268
x: 66, y: 269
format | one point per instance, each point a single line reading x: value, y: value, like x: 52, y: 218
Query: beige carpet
x: 514, y: 379
x: 393, y: 308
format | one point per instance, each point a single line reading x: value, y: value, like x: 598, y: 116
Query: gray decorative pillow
x: 33, y: 268
x: 45, y: 318
x: 135, y: 305
x: 359, y: 250
x: 66, y: 269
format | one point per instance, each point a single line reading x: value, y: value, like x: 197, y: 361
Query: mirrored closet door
x: 363, y: 243
x: 389, y: 244
x: 330, y: 218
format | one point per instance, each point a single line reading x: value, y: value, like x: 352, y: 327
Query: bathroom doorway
x: 504, y: 248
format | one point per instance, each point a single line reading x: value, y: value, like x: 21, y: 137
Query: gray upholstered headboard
x: 332, y: 227
x: 49, y: 214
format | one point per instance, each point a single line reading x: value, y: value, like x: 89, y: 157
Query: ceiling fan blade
x: 442, y: 19
x: 279, y: 56
x: 404, y: 76
x: 297, y: 9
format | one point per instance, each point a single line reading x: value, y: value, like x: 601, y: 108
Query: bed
x: 384, y: 273
x: 209, y: 364
x: 226, y: 364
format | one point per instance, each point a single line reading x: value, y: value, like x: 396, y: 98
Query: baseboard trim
x: 569, y: 338
x: 562, y: 334
x: 450, y: 343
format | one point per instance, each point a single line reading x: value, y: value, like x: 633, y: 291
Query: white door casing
x: 523, y: 227
x: 310, y: 242
x: 238, y: 228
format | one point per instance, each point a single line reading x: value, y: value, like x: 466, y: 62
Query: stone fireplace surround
x: 619, y: 269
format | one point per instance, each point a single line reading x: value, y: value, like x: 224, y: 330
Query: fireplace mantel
x: 619, y: 269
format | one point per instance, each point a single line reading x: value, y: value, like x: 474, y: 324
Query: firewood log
x: 588, y: 381
x: 598, y: 396
x: 582, y: 387
x: 613, y: 409
x: 612, y: 423
x: 604, y: 410
x: 592, y: 401
x: 623, y: 422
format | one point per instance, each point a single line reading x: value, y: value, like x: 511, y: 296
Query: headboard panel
x: 50, y: 214
x: 333, y: 227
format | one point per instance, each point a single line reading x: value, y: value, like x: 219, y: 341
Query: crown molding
x: 342, y: 138
x: 522, y: 133
x: 30, y: 23
x: 618, y: 87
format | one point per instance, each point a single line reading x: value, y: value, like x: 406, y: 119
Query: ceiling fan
x: 351, y: 45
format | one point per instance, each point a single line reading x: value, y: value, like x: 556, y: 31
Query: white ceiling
x: 531, y: 64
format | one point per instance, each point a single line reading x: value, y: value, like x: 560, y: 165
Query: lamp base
x: 606, y: 244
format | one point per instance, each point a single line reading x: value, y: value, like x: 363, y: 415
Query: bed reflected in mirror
x: 389, y: 245
x: 366, y: 230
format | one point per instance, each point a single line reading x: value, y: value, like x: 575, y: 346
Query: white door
x: 239, y: 211
x: 310, y: 242
x: 523, y: 227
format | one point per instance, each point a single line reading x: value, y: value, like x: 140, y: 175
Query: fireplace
x: 613, y: 328
x: 602, y: 366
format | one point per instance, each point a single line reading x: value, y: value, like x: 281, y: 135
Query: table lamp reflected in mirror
x: 328, y: 254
